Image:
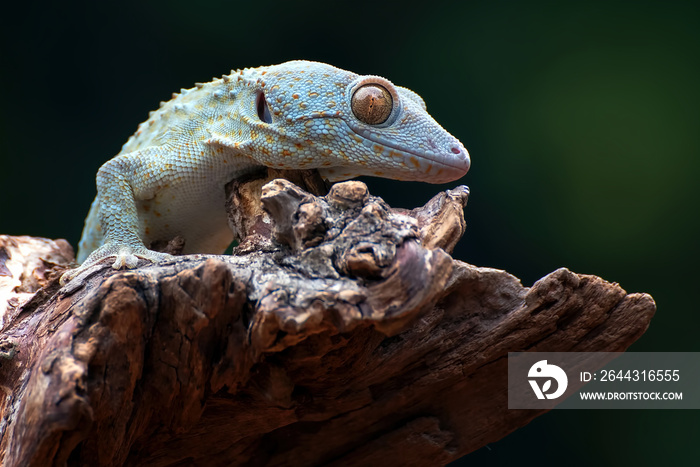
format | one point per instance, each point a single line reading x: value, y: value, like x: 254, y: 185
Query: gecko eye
x: 372, y: 104
x: 263, y: 109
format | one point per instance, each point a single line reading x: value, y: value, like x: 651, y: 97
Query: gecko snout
x: 461, y: 157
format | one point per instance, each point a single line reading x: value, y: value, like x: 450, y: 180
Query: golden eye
x: 372, y: 104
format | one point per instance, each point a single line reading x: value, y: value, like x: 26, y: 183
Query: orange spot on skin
x: 378, y: 148
x: 286, y: 153
x: 148, y: 231
x: 295, y: 96
x: 379, y: 174
x: 313, y: 94
x: 302, y: 105
x: 414, y: 161
x: 299, y: 145
x: 157, y: 214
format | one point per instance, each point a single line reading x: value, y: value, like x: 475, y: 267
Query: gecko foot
x: 125, y: 256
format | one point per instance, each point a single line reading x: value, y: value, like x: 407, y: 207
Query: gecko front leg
x: 120, y: 183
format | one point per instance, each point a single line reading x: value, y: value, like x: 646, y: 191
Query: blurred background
x: 581, y: 119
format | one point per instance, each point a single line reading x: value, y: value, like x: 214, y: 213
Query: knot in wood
x: 348, y: 195
x: 363, y: 260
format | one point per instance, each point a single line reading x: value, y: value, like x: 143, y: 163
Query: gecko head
x: 348, y: 125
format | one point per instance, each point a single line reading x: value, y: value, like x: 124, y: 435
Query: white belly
x: 195, y: 212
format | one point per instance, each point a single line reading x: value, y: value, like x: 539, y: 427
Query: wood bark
x: 339, y: 332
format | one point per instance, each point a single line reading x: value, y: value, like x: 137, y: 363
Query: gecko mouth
x: 457, y: 158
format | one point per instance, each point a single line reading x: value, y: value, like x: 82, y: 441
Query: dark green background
x: 581, y: 119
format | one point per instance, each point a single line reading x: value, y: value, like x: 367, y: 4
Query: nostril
x: 459, y: 151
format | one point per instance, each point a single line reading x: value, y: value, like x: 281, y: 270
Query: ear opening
x: 262, y: 108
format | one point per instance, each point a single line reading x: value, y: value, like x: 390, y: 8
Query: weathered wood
x: 340, y: 332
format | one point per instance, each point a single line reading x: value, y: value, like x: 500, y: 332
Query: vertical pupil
x: 263, y: 110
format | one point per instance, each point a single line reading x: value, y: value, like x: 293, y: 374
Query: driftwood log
x: 340, y: 332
